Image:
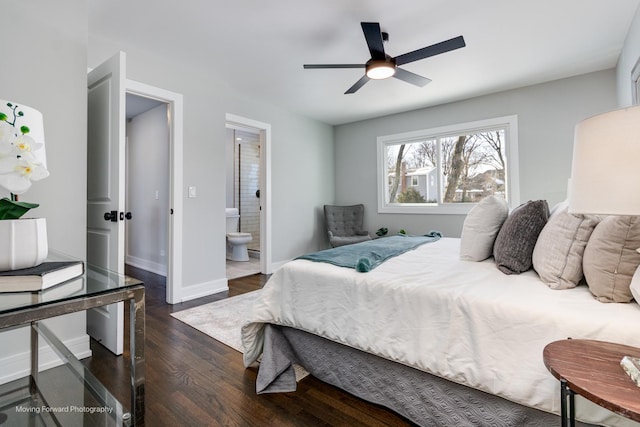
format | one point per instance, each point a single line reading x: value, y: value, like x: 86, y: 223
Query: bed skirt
x: 422, y: 398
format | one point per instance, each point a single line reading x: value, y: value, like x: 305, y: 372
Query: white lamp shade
x: 605, y: 172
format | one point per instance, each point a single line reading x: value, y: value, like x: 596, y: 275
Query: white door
x: 105, y: 190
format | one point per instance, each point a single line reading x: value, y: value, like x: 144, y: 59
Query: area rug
x: 222, y: 321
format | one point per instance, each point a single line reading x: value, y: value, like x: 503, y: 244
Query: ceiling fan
x: 382, y: 66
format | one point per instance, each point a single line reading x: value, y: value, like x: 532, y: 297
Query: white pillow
x: 481, y: 226
x: 557, y: 256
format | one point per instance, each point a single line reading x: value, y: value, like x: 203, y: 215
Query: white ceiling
x: 259, y: 46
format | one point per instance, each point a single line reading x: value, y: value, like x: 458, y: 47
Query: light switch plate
x: 192, y: 191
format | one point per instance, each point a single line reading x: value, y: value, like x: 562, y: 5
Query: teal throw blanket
x: 366, y: 256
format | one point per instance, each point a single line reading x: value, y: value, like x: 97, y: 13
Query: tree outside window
x: 430, y: 170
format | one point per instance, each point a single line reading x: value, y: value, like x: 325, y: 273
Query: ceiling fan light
x: 378, y: 70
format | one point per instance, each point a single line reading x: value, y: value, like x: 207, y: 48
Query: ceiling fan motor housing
x: 378, y: 69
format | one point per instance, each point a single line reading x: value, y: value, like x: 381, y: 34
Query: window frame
x: 512, y: 184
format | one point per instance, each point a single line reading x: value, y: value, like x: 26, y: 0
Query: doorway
x: 173, y: 172
x: 249, y: 188
x: 243, y: 195
x: 147, y: 183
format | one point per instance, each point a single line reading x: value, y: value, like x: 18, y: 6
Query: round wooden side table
x: 592, y: 370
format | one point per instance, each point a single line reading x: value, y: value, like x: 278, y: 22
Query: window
x: 448, y: 169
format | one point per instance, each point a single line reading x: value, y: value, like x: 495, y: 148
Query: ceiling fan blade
x: 373, y: 36
x: 358, y: 85
x: 410, y: 77
x: 436, y: 49
x: 321, y: 66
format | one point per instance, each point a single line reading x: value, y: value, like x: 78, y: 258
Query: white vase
x: 23, y: 243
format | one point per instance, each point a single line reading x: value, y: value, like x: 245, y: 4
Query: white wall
x: 302, y: 163
x: 148, y: 190
x: 628, y: 58
x: 44, y: 66
x: 547, y: 114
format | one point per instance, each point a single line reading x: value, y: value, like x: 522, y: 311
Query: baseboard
x: 147, y: 265
x: 19, y: 365
x: 203, y: 289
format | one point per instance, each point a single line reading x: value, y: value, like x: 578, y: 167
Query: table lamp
x: 605, y: 175
x: 605, y: 172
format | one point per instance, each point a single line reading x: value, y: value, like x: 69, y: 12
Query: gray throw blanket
x: 366, y: 256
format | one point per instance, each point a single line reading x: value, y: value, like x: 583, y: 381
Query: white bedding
x: 464, y: 321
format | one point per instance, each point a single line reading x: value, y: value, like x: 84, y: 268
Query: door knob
x: 111, y: 216
x: 128, y: 215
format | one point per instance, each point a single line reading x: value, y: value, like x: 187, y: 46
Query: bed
x: 456, y: 341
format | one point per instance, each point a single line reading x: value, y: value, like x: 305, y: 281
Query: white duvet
x: 461, y: 320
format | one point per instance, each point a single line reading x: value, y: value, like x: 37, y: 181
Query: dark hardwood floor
x: 194, y: 380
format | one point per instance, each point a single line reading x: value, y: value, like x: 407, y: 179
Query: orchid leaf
x: 13, y: 210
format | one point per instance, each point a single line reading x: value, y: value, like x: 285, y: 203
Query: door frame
x: 174, y: 103
x: 264, y: 129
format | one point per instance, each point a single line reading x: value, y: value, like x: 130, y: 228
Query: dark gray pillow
x: 513, y: 248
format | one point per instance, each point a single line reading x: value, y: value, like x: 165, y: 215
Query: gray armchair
x: 344, y: 224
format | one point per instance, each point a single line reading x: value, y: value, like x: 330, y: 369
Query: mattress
x: 463, y: 321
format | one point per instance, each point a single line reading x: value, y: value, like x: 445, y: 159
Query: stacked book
x: 40, y: 277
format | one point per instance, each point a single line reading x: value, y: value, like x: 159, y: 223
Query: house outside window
x: 448, y: 169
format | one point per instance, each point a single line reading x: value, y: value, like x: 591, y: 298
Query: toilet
x: 236, y: 242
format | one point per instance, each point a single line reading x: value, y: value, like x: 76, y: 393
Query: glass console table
x: 71, y: 395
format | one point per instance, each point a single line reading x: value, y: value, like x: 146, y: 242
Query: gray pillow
x: 610, y: 258
x: 481, y: 226
x: 513, y: 248
x: 557, y: 257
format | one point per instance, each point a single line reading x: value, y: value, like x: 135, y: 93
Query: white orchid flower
x: 12, y: 148
x: 22, y: 159
x: 25, y: 144
x: 18, y: 164
x: 25, y: 170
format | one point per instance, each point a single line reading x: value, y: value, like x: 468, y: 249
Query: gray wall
x: 148, y: 173
x: 626, y: 62
x: 547, y: 114
x: 45, y: 67
x: 302, y: 162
